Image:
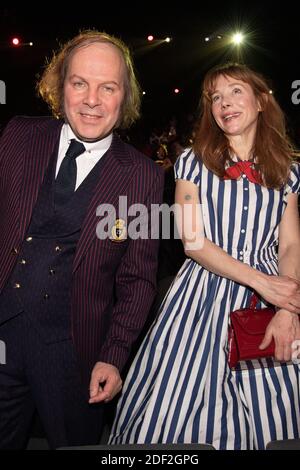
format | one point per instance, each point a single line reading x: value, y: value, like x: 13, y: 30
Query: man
x: 72, y: 303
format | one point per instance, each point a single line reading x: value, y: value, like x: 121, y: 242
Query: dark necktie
x: 243, y: 167
x: 66, y: 179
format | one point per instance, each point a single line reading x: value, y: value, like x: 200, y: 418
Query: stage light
x: 206, y: 39
x: 150, y: 37
x: 176, y: 90
x: 16, y: 41
x: 237, y: 38
x: 168, y: 39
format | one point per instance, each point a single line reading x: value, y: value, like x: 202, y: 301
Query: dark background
x: 272, y: 47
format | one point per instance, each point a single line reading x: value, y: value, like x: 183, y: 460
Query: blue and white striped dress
x: 179, y: 388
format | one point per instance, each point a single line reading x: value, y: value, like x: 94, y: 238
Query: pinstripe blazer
x: 113, y: 283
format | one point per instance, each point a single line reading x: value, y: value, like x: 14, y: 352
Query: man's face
x: 94, y: 91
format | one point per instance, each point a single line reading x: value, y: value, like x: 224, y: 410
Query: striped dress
x: 179, y: 388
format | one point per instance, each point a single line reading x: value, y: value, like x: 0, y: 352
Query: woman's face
x: 234, y: 107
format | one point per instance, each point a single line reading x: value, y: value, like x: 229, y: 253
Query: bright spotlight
x: 237, y: 38
x: 15, y: 41
x: 206, y: 39
x: 150, y: 37
x: 168, y: 39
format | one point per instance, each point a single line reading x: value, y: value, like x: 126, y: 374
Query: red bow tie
x: 245, y: 167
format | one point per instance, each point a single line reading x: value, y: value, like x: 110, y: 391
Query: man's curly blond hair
x: 51, y: 84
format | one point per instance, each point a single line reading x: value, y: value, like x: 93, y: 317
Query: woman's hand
x: 281, y: 291
x: 284, y: 328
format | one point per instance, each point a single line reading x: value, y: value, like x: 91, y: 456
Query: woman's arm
x: 278, y: 290
x: 285, y: 326
x: 289, y: 240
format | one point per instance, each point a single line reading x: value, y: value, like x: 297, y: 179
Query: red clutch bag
x: 246, y: 332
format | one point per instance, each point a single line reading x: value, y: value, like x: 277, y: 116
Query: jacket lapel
x: 42, y: 143
x: 116, y: 174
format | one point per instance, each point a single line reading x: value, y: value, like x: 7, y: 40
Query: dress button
x: 243, y: 230
x: 244, y: 176
x: 246, y: 189
x: 57, y: 248
x: 51, y: 271
x: 14, y: 251
x: 241, y: 258
x: 241, y: 252
x: 245, y: 208
x: 29, y: 239
x: 22, y: 261
x: 46, y: 296
x: 17, y: 285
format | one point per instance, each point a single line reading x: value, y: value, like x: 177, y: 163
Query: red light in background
x: 176, y: 90
x: 150, y: 37
x: 15, y: 41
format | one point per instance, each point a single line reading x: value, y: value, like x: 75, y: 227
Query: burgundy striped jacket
x: 113, y: 282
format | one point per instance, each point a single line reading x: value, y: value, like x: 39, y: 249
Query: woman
x: 180, y: 388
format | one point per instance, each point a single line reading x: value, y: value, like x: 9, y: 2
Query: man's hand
x: 105, y: 383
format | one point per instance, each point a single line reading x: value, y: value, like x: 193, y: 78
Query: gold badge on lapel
x: 119, y: 232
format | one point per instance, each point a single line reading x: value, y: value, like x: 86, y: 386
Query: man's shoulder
x: 34, y: 121
x: 142, y: 160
